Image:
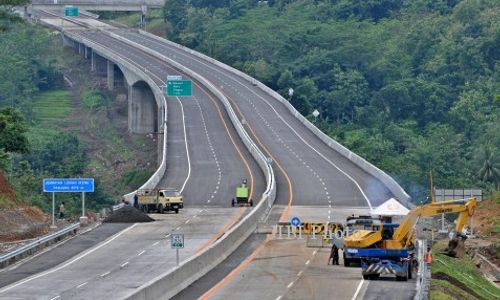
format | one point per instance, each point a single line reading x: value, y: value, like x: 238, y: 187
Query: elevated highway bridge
x: 99, y: 5
x: 233, y: 127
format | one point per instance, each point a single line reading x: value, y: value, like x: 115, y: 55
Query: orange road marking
x: 284, y: 216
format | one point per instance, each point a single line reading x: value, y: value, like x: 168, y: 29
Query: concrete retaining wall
x: 391, y: 184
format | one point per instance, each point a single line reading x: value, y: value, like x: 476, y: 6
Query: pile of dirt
x: 128, y: 214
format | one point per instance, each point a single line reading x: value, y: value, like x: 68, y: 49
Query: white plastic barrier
x: 389, y: 182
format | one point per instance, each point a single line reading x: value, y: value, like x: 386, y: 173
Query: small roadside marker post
x: 177, y: 242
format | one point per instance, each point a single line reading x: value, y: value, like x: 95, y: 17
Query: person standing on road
x: 61, y: 211
x: 136, y: 201
x: 334, y: 255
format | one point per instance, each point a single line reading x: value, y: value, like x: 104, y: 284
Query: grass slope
x: 52, y: 106
x: 458, y: 278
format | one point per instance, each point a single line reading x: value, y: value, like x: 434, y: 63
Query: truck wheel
x: 232, y: 203
x: 160, y: 209
x: 145, y: 209
x: 251, y: 202
x: 401, y: 278
x: 176, y: 210
x: 366, y: 277
x: 410, y: 266
x: 346, y: 262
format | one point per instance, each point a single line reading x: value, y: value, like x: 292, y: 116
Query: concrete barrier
x: 388, y: 181
x: 172, y: 282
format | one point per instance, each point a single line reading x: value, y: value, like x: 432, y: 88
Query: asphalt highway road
x: 126, y: 260
x: 287, y: 269
x: 318, y: 175
x: 206, y: 160
x: 59, y: 254
x: 214, y: 161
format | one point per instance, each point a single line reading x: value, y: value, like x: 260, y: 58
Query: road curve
x: 204, y: 156
x: 318, y: 175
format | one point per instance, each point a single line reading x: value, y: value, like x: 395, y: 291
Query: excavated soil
x: 22, y: 223
x: 128, y: 214
x: 455, y: 282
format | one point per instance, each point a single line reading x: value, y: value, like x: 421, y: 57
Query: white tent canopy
x: 391, y: 207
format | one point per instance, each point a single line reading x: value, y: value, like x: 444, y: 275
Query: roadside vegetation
x: 51, y: 130
x: 412, y: 86
x: 458, y: 278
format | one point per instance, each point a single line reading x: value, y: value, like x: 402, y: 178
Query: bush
x: 94, y: 100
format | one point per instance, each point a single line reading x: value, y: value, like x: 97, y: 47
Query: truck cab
x: 160, y: 200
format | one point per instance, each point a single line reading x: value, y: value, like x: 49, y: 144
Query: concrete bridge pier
x: 98, y: 63
x: 142, y: 110
x: 111, y: 75
x: 80, y: 49
x: 86, y: 52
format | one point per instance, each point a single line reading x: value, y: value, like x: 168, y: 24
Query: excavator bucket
x: 456, y: 247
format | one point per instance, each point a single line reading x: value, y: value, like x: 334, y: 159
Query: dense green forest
x: 412, y: 85
x: 30, y: 64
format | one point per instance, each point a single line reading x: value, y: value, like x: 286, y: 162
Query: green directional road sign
x: 179, y: 88
x: 177, y: 241
x: 71, y: 11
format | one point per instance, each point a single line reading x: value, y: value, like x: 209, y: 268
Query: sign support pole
x: 177, y: 255
x: 53, y: 209
x: 83, y: 204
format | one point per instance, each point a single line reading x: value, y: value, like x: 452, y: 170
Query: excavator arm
x: 403, y: 235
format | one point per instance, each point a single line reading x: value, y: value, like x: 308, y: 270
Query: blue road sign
x: 68, y: 185
x: 295, y: 222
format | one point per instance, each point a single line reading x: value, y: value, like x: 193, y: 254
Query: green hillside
x: 409, y: 85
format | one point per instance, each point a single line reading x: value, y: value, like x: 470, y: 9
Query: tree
x: 490, y: 168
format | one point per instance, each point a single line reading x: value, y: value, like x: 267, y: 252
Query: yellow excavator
x: 392, y: 244
x: 402, y: 237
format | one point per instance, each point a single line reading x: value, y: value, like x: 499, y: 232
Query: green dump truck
x: 242, y: 195
x: 160, y: 200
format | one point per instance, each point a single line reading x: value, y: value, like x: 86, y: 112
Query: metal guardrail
x: 423, y: 272
x: 21, y: 250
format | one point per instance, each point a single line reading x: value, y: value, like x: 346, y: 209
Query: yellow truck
x: 160, y: 200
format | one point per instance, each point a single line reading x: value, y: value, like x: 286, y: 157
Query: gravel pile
x: 128, y: 214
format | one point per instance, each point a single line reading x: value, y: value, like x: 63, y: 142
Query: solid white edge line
x: 77, y: 258
x: 358, y: 289
x: 187, y: 148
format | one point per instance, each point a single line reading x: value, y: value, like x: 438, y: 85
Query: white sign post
x: 177, y: 242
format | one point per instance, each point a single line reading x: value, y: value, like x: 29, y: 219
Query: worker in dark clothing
x: 136, y: 201
x: 334, y: 255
